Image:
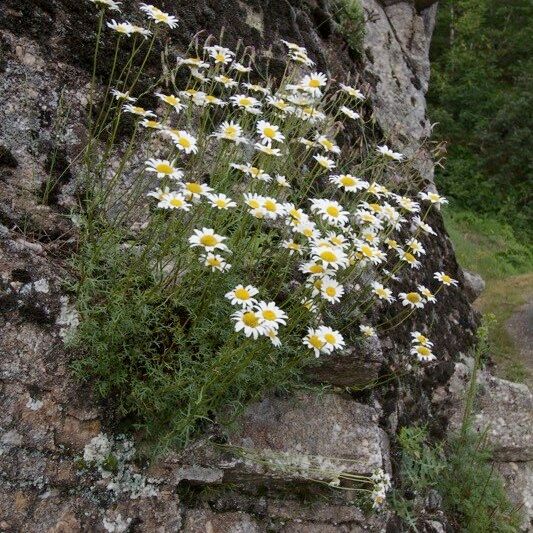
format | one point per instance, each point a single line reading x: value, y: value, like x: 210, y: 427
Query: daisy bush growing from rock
x: 230, y: 236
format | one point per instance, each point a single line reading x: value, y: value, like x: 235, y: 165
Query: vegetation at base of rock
x: 351, y: 17
x: 458, y: 470
x: 489, y: 247
x: 481, y: 96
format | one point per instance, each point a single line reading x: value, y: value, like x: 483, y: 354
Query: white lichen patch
x: 34, y: 405
x: 113, y: 457
x: 68, y: 319
x: 116, y: 524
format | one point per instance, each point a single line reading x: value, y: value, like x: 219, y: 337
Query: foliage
x: 351, y: 18
x: 218, y: 251
x: 459, y: 469
x: 481, y: 96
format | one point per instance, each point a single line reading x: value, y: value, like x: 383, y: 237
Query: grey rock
x: 474, y: 284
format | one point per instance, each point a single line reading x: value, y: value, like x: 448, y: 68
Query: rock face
x: 47, y: 417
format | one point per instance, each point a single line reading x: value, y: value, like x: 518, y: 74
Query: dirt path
x: 520, y: 327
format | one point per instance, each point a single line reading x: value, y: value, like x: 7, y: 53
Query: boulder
x: 474, y: 284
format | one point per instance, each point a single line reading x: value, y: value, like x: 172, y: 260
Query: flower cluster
x: 334, y: 233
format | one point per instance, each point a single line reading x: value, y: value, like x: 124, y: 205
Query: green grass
x: 490, y: 248
x: 351, y: 17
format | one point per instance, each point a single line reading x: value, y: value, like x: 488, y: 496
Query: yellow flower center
x: 172, y: 100
x: 413, y: 297
x: 375, y: 207
x: 195, y: 188
x: 446, y: 279
x: 164, y: 168
x: 270, y: 205
x: 184, y: 142
x: 214, y: 262
x: 254, y: 204
x: 231, y: 131
x: 316, y: 269
x: 333, y: 211
x: 220, y: 57
x: 176, y: 202
x: 347, y: 181
x: 269, y: 132
x: 329, y: 256
x: 242, y: 294
x: 331, y: 291
x: 151, y: 124
x: 381, y: 292
x: 423, y: 351
x: 409, y: 257
x: 245, y: 102
x: 269, y: 315
x: 314, y: 83
x: 250, y: 319
x: 330, y: 338
x: 138, y: 110
x: 220, y: 202
x: 367, y: 251
x: 316, y: 342
x: 208, y: 240
x: 327, y: 144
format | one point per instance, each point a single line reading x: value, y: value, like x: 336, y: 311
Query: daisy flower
x: 423, y: 353
x: 408, y: 204
x: 267, y: 149
x: 292, y: 246
x: 248, y: 103
x: 280, y: 104
x: 150, y: 123
x: 109, y: 4
x: 272, y: 334
x: 415, y: 246
x: 269, y: 132
x: 272, y: 207
x: 195, y: 62
x: 316, y: 342
x: 119, y: 95
x: 220, y: 54
x: 327, y: 144
x: 418, y: 338
x: 164, y: 168
x: 330, y: 256
x: 173, y: 200
x: 409, y: 258
x: 412, y: 299
x: 308, y: 229
x: 330, y: 211
x: 332, y: 338
x: 230, y: 131
x: 370, y: 253
x: 225, y: 80
x: 427, y: 294
x: 125, y: 28
x: 383, y: 293
x: 417, y: 221
x: 331, y: 290
x: 240, y: 67
x: 184, y: 141
x: 388, y: 152
x: 312, y: 83
x: 351, y: 91
x: 207, y: 239
x: 350, y: 113
x: 271, y: 314
x: 221, y: 201
x: 367, y: 331
x: 433, y: 197
x: 256, y: 88
x: 159, y: 16
x: 249, y: 322
x: 159, y: 193
x: 171, y: 100
x: 445, y: 279
x: 348, y: 182
x: 215, y: 262
x: 137, y: 110
x: 313, y: 268
x: 324, y: 162
x: 282, y: 181
x: 243, y: 296
x: 194, y: 190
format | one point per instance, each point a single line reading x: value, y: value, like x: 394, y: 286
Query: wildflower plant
x: 230, y: 238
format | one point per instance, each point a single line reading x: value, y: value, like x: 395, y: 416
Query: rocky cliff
x: 47, y: 418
